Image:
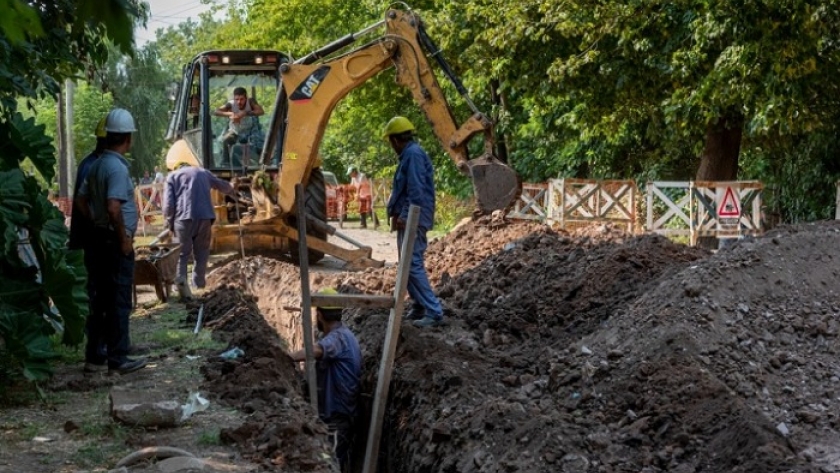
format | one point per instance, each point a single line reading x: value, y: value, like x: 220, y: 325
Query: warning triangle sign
x: 730, y: 206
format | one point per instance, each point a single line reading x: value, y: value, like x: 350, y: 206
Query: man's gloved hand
x: 399, y: 223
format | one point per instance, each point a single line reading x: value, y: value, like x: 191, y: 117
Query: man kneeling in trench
x: 338, y: 363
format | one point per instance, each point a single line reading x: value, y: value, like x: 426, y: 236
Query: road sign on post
x: 728, y: 205
x: 728, y: 211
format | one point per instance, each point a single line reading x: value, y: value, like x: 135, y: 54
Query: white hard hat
x: 119, y: 121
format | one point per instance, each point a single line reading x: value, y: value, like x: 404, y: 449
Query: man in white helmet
x: 107, y: 198
x: 189, y: 214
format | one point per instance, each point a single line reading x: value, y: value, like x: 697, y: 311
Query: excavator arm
x: 313, y: 86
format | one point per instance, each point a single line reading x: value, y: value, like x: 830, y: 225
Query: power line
x: 170, y: 9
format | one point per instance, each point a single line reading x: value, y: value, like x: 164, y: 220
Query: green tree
x: 139, y: 84
x: 686, y: 80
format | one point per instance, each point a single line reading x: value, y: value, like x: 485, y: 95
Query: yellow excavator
x: 279, y: 149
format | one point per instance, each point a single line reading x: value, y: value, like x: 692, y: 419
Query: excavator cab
x: 281, y: 148
x: 208, y: 82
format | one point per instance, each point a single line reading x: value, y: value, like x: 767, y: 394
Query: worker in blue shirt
x: 339, y: 369
x: 106, y: 198
x: 80, y: 227
x: 82, y: 238
x: 414, y: 185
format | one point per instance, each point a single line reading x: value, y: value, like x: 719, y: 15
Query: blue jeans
x: 112, y: 278
x: 419, y: 287
x: 194, y: 236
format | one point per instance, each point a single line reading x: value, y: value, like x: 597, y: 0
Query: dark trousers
x: 341, y: 429
x: 112, y: 278
x: 100, y: 354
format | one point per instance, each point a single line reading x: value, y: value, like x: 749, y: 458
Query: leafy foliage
x: 139, y: 84
x: 587, y: 88
x: 41, y: 283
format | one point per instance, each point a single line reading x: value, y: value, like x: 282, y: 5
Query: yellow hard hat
x: 100, y: 128
x: 181, y: 153
x: 396, y: 126
x: 328, y: 291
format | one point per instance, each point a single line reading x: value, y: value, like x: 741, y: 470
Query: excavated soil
x: 591, y: 351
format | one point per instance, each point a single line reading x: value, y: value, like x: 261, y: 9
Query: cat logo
x: 305, y: 91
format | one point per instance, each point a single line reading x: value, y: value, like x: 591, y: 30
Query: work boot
x: 416, y: 312
x: 95, y: 367
x: 427, y: 322
x: 184, y: 291
x: 127, y: 366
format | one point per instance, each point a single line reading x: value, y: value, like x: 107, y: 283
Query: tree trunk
x: 720, y: 158
x: 499, y: 101
x: 720, y: 152
x: 61, y: 137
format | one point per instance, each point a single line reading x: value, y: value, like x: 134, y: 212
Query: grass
x: 449, y: 211
x: 103, y: 428
x: 96, y: 453
x: 170, y: 331
x: 209, y: 438
x: 19, y: 431
x: 99, y: 440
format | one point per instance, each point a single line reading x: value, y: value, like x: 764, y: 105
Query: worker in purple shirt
x: 188, y: 210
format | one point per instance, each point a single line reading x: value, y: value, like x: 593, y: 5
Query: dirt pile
x: 595, y: 351
x: 260, y: 380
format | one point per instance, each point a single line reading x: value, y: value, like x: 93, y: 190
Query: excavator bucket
x: 495, y: 184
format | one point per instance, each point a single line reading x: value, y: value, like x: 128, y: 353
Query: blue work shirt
x: 188, y: 194
x: 108, y: 179
x: 414, y: 184
x: 80, y: 227
x: 339, y: 373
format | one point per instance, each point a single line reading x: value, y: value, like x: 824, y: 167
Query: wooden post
x: 306, y: 300
x: 390, y: 346
x: 837, y: 203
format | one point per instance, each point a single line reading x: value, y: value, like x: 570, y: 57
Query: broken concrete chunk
x: 142, y: 409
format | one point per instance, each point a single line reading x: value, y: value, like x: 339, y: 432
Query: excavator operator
x: 243, y: 125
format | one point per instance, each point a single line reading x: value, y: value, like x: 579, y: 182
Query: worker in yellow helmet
x: 189, y: 214
x: 81, y: 230
x: 414, y: 184
x: 338, y: 363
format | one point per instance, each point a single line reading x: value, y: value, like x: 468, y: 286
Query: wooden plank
x: 353, y: 300
x: 306, y: 301
x: 390, y: 347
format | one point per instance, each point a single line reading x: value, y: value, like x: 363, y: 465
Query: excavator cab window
x: 207, y: 84
x: 237, y: 146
